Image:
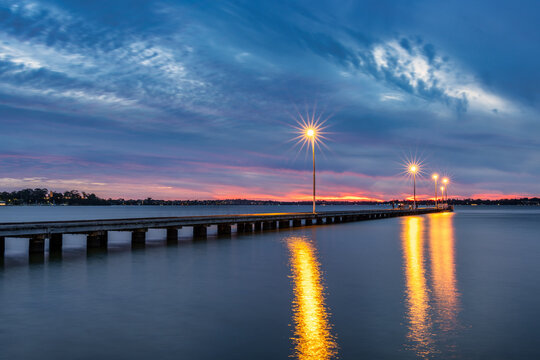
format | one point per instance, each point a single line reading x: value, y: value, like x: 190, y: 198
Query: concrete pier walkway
x: 96, y: 231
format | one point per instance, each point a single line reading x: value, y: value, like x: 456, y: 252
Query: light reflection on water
x: 432, y: 299
x: 443, y: 269
x: 416, y: 286
x: 313, y: 338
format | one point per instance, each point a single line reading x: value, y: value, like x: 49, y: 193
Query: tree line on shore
x: 74, y: 197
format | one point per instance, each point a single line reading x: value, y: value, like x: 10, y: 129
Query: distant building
x: 2, y: 203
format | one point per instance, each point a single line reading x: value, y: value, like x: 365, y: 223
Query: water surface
x: 441, y: 286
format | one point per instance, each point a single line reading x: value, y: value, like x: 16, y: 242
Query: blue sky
x: 195, y: 99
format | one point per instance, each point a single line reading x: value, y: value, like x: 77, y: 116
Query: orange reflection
x: 312, y: 337
x: 416, y: 288
x: 441, y: 244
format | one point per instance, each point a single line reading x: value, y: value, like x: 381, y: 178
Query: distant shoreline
x: 74, y: 197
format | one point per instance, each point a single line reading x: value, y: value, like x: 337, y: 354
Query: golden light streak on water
x: 417, y: 295
x: 313, y: 338
x: 443, y: 269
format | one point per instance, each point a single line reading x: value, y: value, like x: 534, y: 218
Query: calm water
x: 442, y: 286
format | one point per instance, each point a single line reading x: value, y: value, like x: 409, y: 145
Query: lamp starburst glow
x: 310, y: 130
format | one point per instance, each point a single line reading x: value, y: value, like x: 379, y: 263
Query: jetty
x: 97, y: 231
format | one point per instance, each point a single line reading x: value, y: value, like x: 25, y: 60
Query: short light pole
x: 442, y: 194
x: 436, y: 177
x: 445, y: 182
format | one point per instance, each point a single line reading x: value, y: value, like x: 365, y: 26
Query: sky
x: 198, y: 99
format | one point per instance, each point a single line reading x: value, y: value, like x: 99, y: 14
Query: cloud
x: 416, y: 68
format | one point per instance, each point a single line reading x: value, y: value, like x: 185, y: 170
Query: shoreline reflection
x: 313, y: 338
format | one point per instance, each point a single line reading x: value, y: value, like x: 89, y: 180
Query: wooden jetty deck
x: 96, y: 231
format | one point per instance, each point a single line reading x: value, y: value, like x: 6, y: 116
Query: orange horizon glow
x: 114, y: 189
x: 164, y: 194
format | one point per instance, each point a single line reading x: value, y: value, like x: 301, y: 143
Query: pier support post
x: 298, y: 222
x: 2, y: 246
x: 138, y: 237
x: 247, y: 227
x: 257, y: 226
x: 224, y: 229
x: 55, y: 243
x: 172, y: 235
x: 329, y: 220
x: 283, y: 224
x: 97, y: 239
x: 268, y: 225
x: 319, y: 221
x: 199, y: 231
x: 240, y: 228
x: 337, y: 219
x: 36, y: 244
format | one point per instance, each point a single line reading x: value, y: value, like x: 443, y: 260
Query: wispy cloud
x: 417, y: 68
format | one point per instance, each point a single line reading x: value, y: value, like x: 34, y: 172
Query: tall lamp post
x: 311, y: 135
x: 436, y: 177
x: 413, y: 169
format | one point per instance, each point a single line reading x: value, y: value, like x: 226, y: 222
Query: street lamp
x: 413, y: 170
x: 310, y: 131
x: 435, y: 177
x: 445, y: 182
x: 311, y: 135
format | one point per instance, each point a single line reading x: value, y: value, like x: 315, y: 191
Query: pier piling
x: 240, y: 228
x: 55, y: 243
x: 199, y: 232
x: 97, y: 240
x: 283, y: 224
x: 257, y: 226
x: 172, y: 234
x: 224, y: 229
x: 138, y: 237
x: 36, y: 244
